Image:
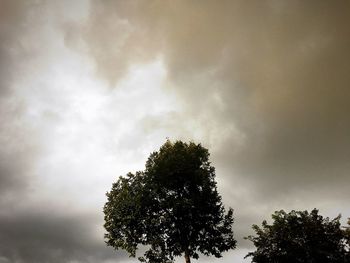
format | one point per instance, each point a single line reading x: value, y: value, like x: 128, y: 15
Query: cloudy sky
x: 89, y: 88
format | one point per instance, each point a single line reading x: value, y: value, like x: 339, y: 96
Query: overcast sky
x: 89, y: 88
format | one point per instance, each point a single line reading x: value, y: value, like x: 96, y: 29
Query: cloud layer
x: 264, y: 82
x: 88, y: 90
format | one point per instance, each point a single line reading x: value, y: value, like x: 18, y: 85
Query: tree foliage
x: 172, y: 208
x: 300, y: 236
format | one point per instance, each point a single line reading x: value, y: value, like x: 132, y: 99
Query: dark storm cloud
x: 112, y: 40
x: 280, y: 69
x: 45, y: 235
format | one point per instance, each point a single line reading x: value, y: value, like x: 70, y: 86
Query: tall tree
x: 299, y: 236
x: 172, y: 208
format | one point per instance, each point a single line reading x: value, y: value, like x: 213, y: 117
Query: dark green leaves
x: 172, y: 207
x: 299, y: 236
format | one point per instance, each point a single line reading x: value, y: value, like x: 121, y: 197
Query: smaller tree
x: 299, y: 236
x: 347, y: 239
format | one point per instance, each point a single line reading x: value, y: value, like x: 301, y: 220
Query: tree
x: 347, y: 240
x: 299, y: 236
x: 172, y: 208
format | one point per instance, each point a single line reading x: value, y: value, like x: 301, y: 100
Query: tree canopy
x: 172, y: 208
x: 300, y: 236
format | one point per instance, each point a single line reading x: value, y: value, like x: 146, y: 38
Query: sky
x: 88, y: 89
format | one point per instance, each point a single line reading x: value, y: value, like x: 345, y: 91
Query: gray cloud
x: 262, y: 84
x: 268, y: 80
x: 278, y: 69
x: 34, y: 228
x: 46, y: 235
x: 17, y: 152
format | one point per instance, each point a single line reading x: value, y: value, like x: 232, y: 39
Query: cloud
x: 36, y: 226
x: 263, y: 84
x: 46, y: 234
x: 275, y: 72
x: 17, y: 152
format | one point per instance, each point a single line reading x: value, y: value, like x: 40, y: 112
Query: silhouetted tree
x: 172, y: 208
x: 299, y: 236
x: 347, y: 239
